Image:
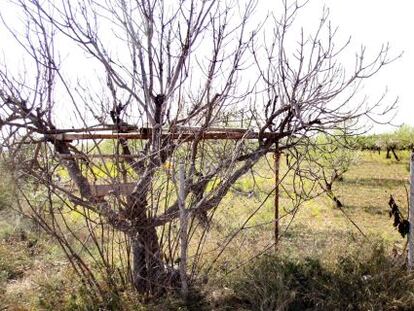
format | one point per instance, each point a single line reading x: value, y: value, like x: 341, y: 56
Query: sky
x: 373, y: 22
x: 370, y: 23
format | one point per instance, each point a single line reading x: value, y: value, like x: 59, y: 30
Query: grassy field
x: 365, y: 191
x: 34, y: 274
x: 319, y: 228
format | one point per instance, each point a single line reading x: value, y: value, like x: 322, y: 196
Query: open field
x: 319, y: 228
x: 365, y: 192
x: 34, y: 274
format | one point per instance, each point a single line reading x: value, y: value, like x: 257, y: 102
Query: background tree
x: 332, y: 156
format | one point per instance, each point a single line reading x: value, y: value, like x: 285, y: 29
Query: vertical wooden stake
x: 277, y: 168
x: 411, y: 216
x: 183, y: 232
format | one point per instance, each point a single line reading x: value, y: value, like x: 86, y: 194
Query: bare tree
x: 170, y: 73
x: 331, y: 157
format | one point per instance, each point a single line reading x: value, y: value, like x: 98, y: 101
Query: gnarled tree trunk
x: 147, y: 266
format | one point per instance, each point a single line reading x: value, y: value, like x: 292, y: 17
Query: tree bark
x: 338, y: 203
x: 147, y: 266
x: 388, y: 156
x: 395, y: 154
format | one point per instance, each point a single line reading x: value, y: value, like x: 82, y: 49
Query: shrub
x: 365, y: 281
x: 265, y: 285
x: 20, y: 252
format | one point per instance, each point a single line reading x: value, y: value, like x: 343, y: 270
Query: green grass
x: 367, y: 280
x: 364, y: 192
x: 31, y: 278
x: 319, y: 230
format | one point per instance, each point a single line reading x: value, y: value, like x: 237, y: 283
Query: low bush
x: 15, y: 256
x: 369, y: 280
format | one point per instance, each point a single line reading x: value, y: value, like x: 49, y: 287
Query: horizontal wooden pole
x: 117, y: 189
x: 195, y: 129
x: 91, y: 129
x: 131, y: 128
x: 186, y: 136
x: 97, y: 156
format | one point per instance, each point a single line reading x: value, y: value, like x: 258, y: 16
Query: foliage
x: 13, y: 269
x: 5, y: 188
x: 329, y: 157
x: 367, y: 280
x: 334, y: 154
x: 400, y: 139
x: 403, y: 225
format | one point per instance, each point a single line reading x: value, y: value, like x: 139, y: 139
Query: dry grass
x: 365, y: 190
x: 319, y: 231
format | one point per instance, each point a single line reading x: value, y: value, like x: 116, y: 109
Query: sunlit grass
x: 318, y: 229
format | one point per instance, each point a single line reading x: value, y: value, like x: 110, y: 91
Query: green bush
x: 5, y: 195
x: 265, y: 285
x: 365, y: 281
x: 400, y: 139
x: 21, y: 261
